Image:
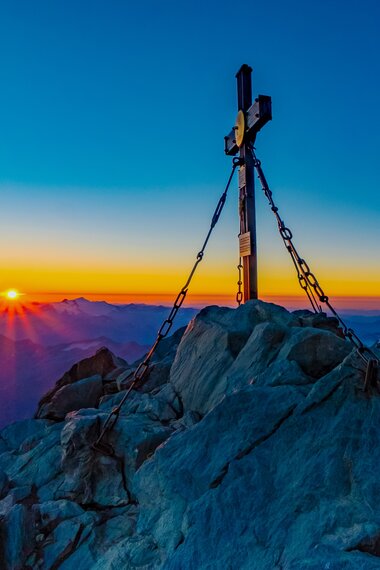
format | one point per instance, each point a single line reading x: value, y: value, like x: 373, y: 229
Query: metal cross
x: 250, y: 119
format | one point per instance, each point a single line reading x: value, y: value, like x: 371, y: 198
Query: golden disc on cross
x: 240, y: 128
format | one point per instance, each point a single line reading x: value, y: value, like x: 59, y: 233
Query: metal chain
x: 141, y: 371
x: 239, y: 294
x: 309, y: 282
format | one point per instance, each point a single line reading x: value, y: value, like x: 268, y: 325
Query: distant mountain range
x: 366, y: 326
x: 41, y: 342
x: 80, y: 320
x: 29, y: 369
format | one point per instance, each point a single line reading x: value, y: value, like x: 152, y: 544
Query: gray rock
x: 17, y: 538
x: 24, y: 434
x: 4, y: 484
x: 89, y: 478
x: 56, y: 511
x: 38, y: 465
x: 124, y: 379
x: 50, y: 491
x: 105, y: 538
x: 163, y: 406
x: 116, y: 372
x: 161, y: 363
x: 82, y: 394
x: 135, y: 440
x: 130, y: 553
x: 203, y: 357
x: 65, y: 538
x: 102, y: 364
x: 189, y: 419
x: 6, y: 505
x: 319, y: 321
x: 224, y: 349
x: 200, y: 458
x: 316, y: 352
x: 62, y: 542
x: 284, y: 493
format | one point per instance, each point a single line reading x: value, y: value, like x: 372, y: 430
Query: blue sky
x: 112, y: 118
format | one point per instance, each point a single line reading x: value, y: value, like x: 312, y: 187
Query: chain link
x: 309, y: 282
x: 239, y: 294
x: 141, y: 371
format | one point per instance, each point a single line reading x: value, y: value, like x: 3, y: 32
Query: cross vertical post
x: 247, y: 209
x: 250, y: 119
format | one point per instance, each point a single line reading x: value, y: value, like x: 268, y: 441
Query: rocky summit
x: 251, y: 446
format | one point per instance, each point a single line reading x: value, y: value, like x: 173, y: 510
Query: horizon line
x: 174, y: 293
x: 358, y: 303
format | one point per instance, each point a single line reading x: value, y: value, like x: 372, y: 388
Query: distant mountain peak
x: 81, y: 305
x: 77, y: 300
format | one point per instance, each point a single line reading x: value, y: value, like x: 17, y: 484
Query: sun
x: 12, y: 294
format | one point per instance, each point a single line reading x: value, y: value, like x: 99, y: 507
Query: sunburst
x: 12, y: 294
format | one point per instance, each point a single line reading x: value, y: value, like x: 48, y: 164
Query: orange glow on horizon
x: 213, y: 284
x: 212, y: 279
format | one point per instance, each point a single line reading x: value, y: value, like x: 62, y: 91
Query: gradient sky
x: 112, y: 118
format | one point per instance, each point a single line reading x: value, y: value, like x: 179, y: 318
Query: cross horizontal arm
x: 256, y: 117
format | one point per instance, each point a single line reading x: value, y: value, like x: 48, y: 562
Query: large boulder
x: 223, y: 349
x: 271, y: 479
x: 103, y: 362
x: 84, y: 393
x: 82, y: 386
x: 89, y: 478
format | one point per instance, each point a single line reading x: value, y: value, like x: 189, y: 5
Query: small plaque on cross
x: 245, y: 244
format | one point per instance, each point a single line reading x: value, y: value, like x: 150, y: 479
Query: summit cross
x: 250, y: 119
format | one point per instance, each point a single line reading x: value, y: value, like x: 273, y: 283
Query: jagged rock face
x: 258, y: 343
x: 251, y: 446
x: 82, y: 386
